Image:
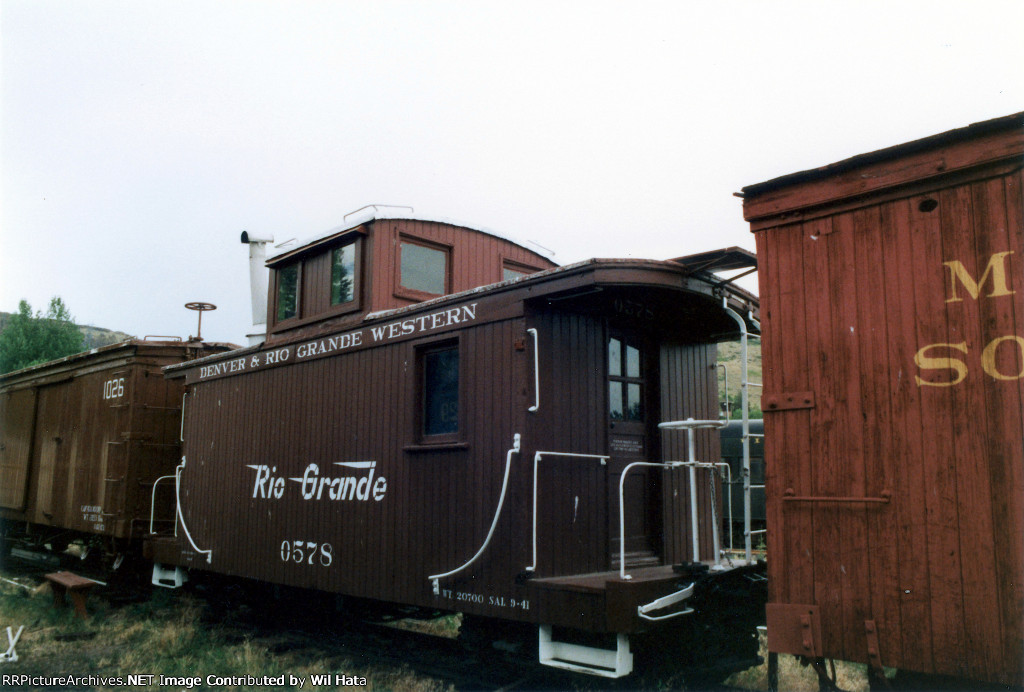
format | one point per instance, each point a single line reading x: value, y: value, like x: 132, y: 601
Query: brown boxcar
x: 892, y: 288
x: 83, y: 438
x: 463, y: 451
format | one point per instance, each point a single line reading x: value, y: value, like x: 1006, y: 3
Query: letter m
x: 996, y: 269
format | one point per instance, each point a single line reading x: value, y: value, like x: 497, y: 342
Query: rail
x: 152, y: 504
x: 536, y: 461
x: 536, y: 372
x: 181, y: 517
x: 690, y: 425
x: 436, y: 578
x: 745, y: 385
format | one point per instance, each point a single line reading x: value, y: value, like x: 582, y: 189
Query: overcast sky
x: 140, y: 138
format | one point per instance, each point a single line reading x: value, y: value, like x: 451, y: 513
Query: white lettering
x: 312, y: 486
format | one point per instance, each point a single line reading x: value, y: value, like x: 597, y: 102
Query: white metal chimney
x: 259, y: 277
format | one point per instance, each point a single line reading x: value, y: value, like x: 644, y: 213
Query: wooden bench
x: 74, y: 586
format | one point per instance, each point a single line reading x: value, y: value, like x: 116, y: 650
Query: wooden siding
x: 689, y: 389
x: 18, y: 413
x: 88, y: 435
x: 361, y: 406
x: 917, y: 395
x: 257, y: 422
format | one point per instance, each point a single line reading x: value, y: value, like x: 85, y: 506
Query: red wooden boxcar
x: 893, y: 304
x: 396, y: 441
x: 83, y: 438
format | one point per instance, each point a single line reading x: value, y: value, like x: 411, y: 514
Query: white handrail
x: 435, y: 578
x: 745, y: 384
x: 181, y: 434
x: 181, y: 517
x: 622, y: 508
x: 152, y: 504
x: 690, y: 425
x: 536, y: 460
x: 536, y: 372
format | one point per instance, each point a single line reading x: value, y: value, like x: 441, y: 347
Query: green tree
x: 29, y: 340
x: 736, y: 405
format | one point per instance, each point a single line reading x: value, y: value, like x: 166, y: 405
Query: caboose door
x: 632, y: 414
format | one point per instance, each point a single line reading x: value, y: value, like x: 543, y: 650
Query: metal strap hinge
x: 787, y: 401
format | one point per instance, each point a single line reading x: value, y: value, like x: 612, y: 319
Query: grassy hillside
x: 729, y: 355
x: 92, y: 337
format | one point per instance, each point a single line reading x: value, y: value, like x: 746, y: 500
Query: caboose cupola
x: 378, y: 261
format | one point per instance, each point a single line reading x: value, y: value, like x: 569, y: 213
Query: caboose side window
x: 424, y: 268
x: 343, y: 274
x: 440, y: 391
x: 515, y: 270
x: 287, y: 292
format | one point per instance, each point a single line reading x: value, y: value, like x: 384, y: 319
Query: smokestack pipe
x: 259, y: 277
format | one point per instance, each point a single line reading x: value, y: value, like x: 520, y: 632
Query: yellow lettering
x: 988, y: 358
x: 926, y: 362
x: 996, y: 268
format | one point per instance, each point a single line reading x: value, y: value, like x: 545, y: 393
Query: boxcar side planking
x: 83, y: 438
x: 895, y: 491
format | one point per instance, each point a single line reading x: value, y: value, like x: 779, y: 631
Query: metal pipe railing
x: 181, y: 517
x: 745, y: 385
x: 152, y: 504
x: 536, y: 461
x: 536, y: 371
x: 435, y: 578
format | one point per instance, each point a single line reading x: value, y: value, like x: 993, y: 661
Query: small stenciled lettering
x: 466, y: 597
x: 93, y: 514
x: 312, y: 485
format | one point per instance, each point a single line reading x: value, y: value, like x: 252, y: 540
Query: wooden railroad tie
x: 74, y: 586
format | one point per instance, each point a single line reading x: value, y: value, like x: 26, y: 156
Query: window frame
x: 413, y: 294
x: 356, y: 303
x: 516, y: 266
x: 301, y: 301
x: 625, y: 379
x: 275, y: 307
x: 422, y: 351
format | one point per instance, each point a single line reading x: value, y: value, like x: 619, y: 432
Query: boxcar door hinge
x: 787, y: 401
x: 794, y: 629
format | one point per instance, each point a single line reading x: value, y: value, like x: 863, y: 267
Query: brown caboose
x: 443, y: 418
x: 892, y: 289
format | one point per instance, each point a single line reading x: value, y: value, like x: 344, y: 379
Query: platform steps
x: 579, y: 658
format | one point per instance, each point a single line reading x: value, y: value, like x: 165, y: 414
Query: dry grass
x: 170, y: 634
x: 794, y: 677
